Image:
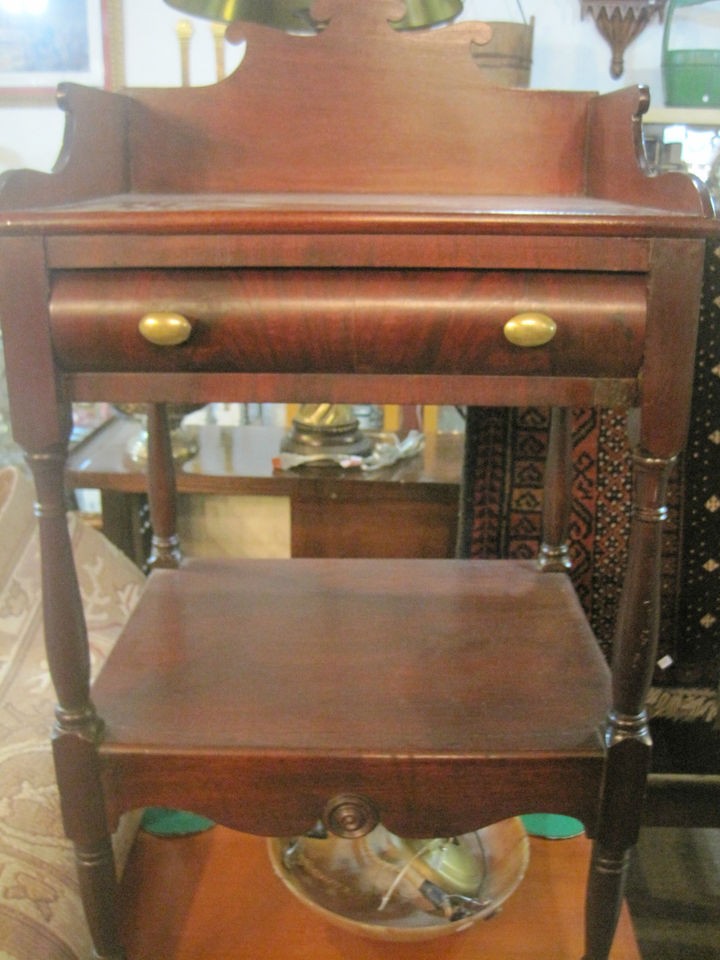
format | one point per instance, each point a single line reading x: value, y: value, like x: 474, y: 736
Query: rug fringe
x: 685, y: 704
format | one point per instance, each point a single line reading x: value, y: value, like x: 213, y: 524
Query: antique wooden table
x: 409, y: 509
x: 354, y: 217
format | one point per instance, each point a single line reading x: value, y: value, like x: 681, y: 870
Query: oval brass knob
x: 530, y: 329
x: 350, y: 817
x: 165, y: 328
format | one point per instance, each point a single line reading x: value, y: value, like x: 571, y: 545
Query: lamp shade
x: 283, y: 14
x: 295, y: 14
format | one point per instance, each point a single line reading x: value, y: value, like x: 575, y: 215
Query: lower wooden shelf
x: 214, y: 894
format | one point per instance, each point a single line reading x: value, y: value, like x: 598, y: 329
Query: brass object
x: 326, y: 428
x: 114, y: 20
x: 326, y: 416
x: 218, y: 35
x: 530, y: 329
x: 283, y: 14
x: 165, y: 328
x: 294, y: 15
x: 184, y: 32
x: 350, y: 817
x: 184, y: 444
x: 620, y: 23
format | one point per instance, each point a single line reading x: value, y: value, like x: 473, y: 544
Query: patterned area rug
x: 502, y: 506
x: 40, y: 913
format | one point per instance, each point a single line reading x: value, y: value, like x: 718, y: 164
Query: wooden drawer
x: 350, y: 321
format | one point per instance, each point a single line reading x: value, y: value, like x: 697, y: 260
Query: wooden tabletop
x: 239, y: 459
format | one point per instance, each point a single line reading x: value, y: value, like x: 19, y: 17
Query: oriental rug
x: 501, y: 511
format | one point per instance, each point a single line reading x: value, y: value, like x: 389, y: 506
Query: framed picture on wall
x: 45, y: 42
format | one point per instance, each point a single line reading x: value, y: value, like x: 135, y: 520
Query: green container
x: 691, y: 78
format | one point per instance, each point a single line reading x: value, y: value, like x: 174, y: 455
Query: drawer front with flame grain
x: 394, y: 321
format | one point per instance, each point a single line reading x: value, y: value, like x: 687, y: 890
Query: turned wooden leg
x: 98, y: 889
x: 554, y: 550
x: 162, y: 495
x: 77, y: 727
x: 85, y: 821
x: 628, y: 763
x: 604, y: 899
x: 627, y: 734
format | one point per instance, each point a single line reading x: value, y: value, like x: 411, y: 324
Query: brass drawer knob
x: 530, y: 329
x: 349, y: 816
x: 165, y: 328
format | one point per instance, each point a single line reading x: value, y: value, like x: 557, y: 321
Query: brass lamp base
x: 326, y: 428
x: 184, y: 445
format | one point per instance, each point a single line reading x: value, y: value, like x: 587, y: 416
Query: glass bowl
x: 385, y: 887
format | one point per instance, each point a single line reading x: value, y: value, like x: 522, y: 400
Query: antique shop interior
x: 280, y: 480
